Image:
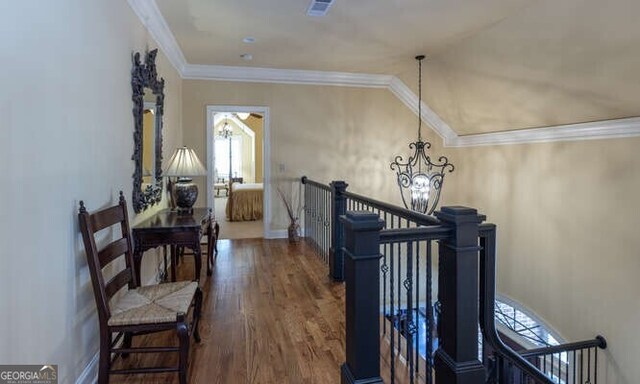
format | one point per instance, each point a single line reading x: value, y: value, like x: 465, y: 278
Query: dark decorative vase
x: 186, y: 193
x: 294, y: 232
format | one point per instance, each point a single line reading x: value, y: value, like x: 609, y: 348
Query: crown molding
x: 285, y: 76
x: 605, y: 129
x: 404, y: 94
x: 151, y: 17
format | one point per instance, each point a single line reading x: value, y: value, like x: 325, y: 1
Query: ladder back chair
x: 136, y: 310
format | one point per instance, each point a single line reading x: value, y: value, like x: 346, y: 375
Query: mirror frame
x: 144, y: 75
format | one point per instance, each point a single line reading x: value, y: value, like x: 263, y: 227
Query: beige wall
x: 66, y: 135
x: 256, y: 126
x: 568, y: 216
x: 323, y: 132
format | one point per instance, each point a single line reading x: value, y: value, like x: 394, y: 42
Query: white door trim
x: 266, y: 155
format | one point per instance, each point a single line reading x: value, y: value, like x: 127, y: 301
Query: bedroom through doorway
x: 236, y: 171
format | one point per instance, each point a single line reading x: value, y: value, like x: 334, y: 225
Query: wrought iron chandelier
x: 226, y: 131
x: 419, y: 178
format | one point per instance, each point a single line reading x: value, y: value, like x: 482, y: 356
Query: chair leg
x: 126, y: 343
x: 104, y: 363
x: 183, y: 337
x: 197, y: 311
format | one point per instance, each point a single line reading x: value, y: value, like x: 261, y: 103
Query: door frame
x: 266, y: 156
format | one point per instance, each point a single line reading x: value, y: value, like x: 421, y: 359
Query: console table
x: 175, y: 229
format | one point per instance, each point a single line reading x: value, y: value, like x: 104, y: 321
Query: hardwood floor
x: 270, y: 315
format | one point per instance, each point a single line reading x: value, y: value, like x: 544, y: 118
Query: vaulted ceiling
x: 492, y: 65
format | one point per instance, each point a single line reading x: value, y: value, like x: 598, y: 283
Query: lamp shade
x: 184, y: 163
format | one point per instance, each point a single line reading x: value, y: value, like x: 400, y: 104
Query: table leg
x: 197, y: 255
x: 216, y: 232
x: 173, y: 262
x: 209, y: 249
x: 164, y: 256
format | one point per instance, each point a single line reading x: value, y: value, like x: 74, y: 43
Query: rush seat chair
x: 125, y: 309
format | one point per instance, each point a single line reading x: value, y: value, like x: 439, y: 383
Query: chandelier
x: 225, y: 131
x: 419, y: 178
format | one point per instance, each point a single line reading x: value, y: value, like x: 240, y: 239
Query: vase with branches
x: 294, y: 209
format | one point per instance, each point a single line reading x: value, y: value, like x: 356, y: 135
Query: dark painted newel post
x: 362, y: 299
x: 338, y: 208
x: 456, y: 360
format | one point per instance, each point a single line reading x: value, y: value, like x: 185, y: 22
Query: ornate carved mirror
x: 148, y: 106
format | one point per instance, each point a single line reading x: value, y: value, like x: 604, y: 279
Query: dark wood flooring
x: 271, y: 315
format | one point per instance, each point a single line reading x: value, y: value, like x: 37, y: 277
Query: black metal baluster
x: 384, y: 297
x: 319, y: 220
x: 574, y: 366
x: 325, y: 233
x: 595, y: 366
x: 566, y: 370
x: 430, y: 325
x: 409, y: 328
x: 551, y: 366
x: 392, y: 312
x: 310, y: 211
x: 304, y: 207
x: 327, y: 223
x: 400, y: 298
x: 384, y: 268
x: 417, y: 301
x: 581, y: 364
x: 589, y: 365
x: 313, y: 216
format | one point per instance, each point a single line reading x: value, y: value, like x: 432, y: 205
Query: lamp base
x: 186, y: 193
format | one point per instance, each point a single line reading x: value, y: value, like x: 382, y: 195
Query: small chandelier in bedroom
x: 225, y: 131
x: 419, y: 178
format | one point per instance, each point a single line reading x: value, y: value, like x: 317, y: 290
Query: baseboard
x: 90, y: 373
x: 280, y: 234
x: 276, y: 234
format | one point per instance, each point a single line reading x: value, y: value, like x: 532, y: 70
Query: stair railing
x: 505, y: 357
x: 379, y: 250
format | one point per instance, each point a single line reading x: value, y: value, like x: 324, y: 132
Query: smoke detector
x: 319, y: 7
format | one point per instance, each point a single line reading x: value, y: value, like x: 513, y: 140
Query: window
x: 512, y: 317
x: 222, y: 157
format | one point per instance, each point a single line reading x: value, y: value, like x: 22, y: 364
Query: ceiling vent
x: 319, y: 7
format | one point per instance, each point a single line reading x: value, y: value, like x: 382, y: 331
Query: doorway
x: 238, y: 170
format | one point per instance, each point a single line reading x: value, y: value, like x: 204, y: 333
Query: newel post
x: 456, y: 360
x: 338, y: 209
x: 362, y: 298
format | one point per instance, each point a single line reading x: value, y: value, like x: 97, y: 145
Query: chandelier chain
x: 419, y: 99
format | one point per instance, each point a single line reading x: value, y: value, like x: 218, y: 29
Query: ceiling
x: 492, y: 65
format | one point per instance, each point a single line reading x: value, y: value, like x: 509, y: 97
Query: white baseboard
x: 276, y: 234
x: 280, y: 234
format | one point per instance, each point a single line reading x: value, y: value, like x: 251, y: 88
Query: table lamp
x: 184, y: 164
